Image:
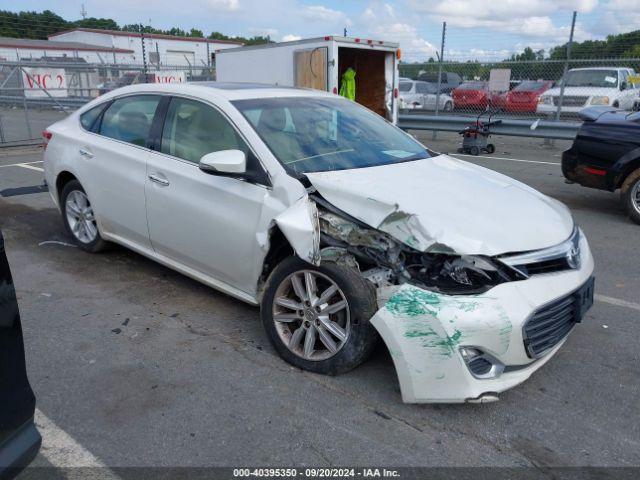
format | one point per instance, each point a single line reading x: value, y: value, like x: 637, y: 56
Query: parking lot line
x: 63, y: 451
x: 505, y: 158
x: 20, y: 164
x: 617, y: 302
x: 30, y: 167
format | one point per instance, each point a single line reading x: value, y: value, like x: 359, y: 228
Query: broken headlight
x: 460, y: 274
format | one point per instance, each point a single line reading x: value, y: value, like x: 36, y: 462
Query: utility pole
x: 566, y: 65
x: 440, y: 60
x: 144, y: 55
x: 83, y: 12
x: 345, y: 31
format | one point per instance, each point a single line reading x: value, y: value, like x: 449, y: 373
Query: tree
x: 99, y: 23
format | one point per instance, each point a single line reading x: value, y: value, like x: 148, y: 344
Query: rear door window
x: 129, y: 119
x: 88, y: 118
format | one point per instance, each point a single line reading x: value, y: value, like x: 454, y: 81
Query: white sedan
x: 343, y: 229
x: 418, y: 95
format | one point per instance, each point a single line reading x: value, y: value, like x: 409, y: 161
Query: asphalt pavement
x: 136, y: 365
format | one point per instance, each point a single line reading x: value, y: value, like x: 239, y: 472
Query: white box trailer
x: 319, y: 63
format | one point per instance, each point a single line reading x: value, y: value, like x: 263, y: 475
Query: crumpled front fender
x: 299, y: 224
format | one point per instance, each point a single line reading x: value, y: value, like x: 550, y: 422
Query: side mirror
x: 227, y: 162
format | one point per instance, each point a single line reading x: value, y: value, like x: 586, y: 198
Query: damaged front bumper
x: 425, y: 332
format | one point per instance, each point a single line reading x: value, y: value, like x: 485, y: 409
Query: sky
x: 482, y: 29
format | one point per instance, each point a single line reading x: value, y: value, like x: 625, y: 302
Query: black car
x: 606, y: 155
x: 19, y: 438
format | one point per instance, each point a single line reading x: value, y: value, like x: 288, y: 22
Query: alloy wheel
x: 80, y: 217
x: 635, y: 196
x: 311, y: 315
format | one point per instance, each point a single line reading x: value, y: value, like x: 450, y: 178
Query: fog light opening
x: 481, y: 364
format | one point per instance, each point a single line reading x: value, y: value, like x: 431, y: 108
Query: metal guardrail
x: 518, y: 128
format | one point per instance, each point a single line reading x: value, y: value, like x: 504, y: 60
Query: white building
x: 161, y: 50
x: 14, y: 49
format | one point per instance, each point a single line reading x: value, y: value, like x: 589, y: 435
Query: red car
x: 473, y: 94
x: 524, y: 97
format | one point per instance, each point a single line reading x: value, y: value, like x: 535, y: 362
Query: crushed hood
x: 443, y: 204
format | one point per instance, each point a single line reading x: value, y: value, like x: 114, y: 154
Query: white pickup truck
x: 585, y: 87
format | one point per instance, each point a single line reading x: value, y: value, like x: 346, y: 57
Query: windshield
x: 529, y: 86
x: 315, y: 134
x: 472, y: 86
x: 592, y: 78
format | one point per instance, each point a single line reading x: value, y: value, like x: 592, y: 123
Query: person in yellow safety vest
x: 348, y: 86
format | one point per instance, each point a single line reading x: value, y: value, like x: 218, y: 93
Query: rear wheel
x: 448, y: 107
x: 79, y: 219
x: 631, y: 195
x: 474, y: 151
x: 317, y: 318
x: 491, y: 148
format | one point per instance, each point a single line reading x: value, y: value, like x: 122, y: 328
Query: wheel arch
x: 279, y: 249
x: 627, y: 170
x: 62, y: 179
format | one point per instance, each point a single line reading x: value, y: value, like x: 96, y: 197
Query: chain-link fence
x: 522, y: 89
x: 551, y: 84
x: 464, y: 78
x: 37, y: 93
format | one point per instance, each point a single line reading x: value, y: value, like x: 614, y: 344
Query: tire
x: 630, y: 194
x: 73, y: 195
x: 448, y: 107
x: 491, y: 148
x: 355, y: 338
x: 474, y: 151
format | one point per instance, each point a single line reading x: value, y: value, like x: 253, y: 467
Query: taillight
x: 46, y: 136
x: 395, y: 93
x: 595, y: 171
x: 335, y: 90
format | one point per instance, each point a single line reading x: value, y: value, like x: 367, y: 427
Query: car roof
x: 222, y: 90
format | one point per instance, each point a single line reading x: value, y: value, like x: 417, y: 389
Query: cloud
x: 291, y: 38
x: 619, y: 16
x: 531, y: 18
x: 263, y: 32
x: 325, y: 15
x: 381, y: 21
x: 497, y: 10
x: 225, y: 5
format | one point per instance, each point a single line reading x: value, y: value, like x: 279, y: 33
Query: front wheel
x: 631, y: 195
x: 491, y: 148
x: 448, y: 107
x: 317, y: 318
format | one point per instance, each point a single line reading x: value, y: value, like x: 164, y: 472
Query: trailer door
x: 310, y: 68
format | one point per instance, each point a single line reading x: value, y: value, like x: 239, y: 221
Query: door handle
x: 85, y: 153
x: 159, y: 180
